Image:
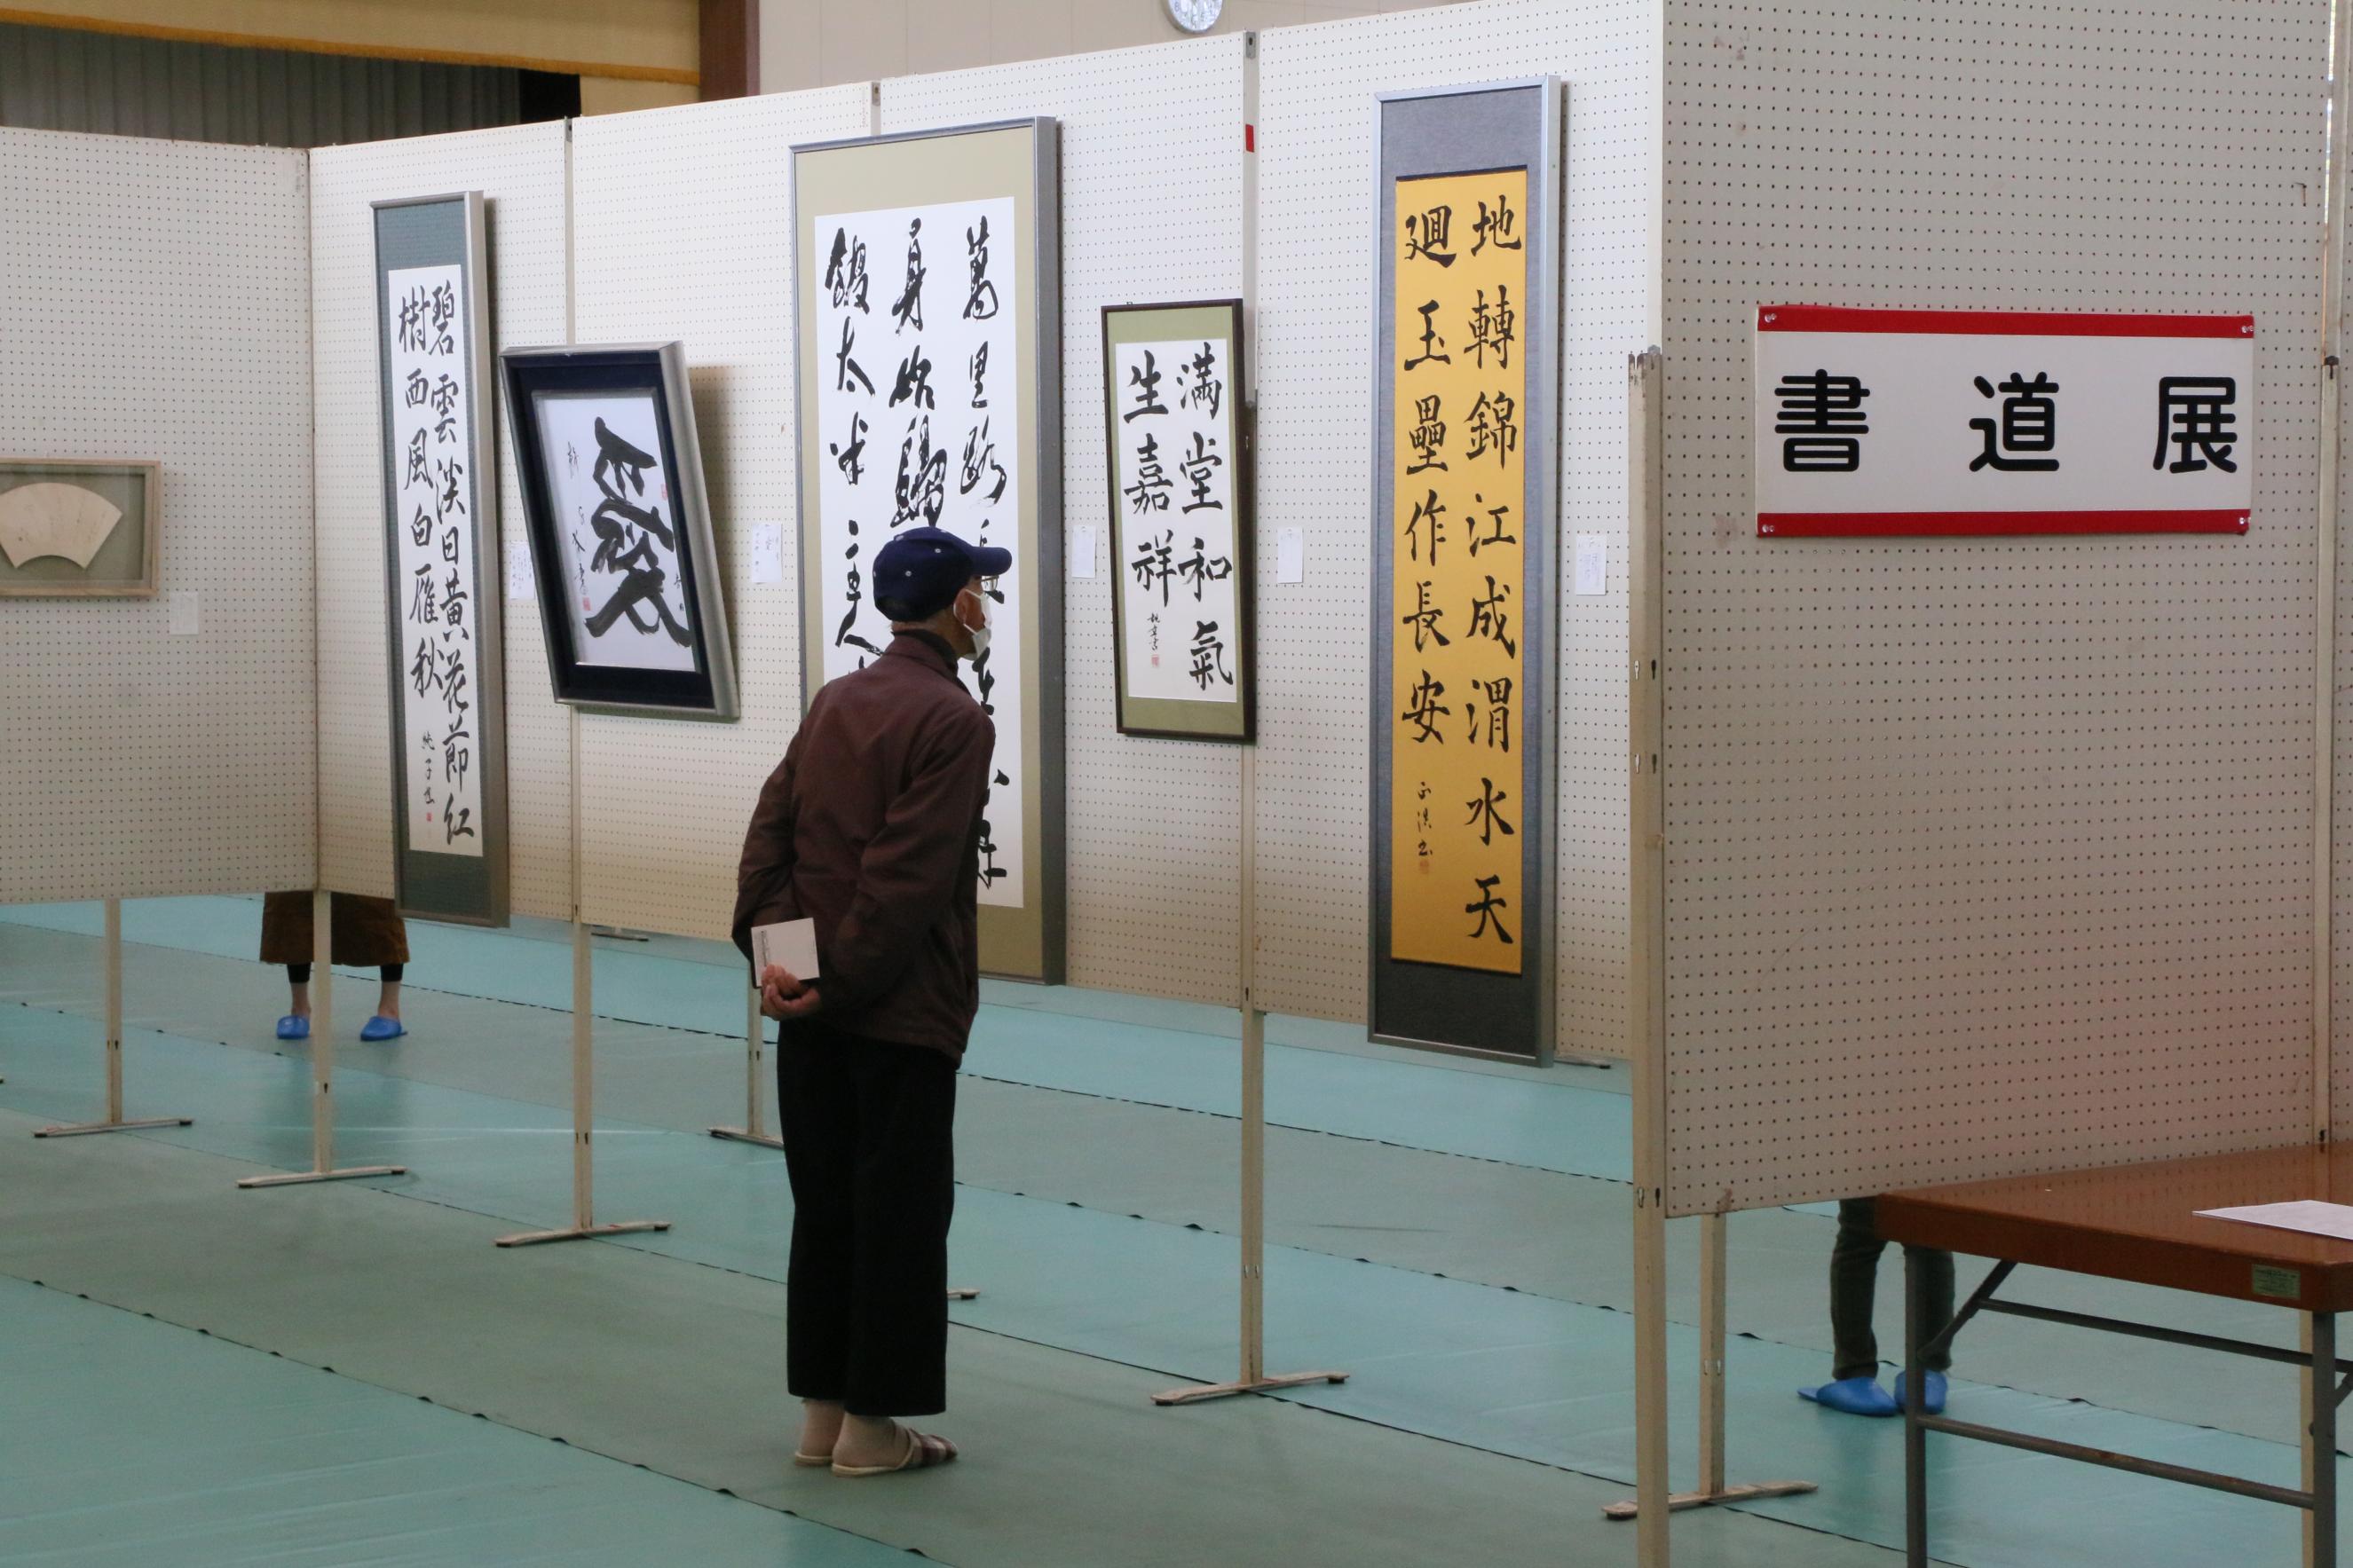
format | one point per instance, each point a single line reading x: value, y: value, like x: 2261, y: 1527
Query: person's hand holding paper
x: 784, y: 956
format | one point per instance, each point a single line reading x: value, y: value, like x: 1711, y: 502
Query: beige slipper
x: 923, y: 1451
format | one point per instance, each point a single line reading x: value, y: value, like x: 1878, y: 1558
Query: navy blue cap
x: 921, y: 571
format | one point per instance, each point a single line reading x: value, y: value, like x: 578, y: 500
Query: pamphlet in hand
x: 791, y: 944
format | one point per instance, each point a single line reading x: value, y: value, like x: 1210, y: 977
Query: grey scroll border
x: 1052, y: 891
x: 453, y: 887
x: 1433, y: 1006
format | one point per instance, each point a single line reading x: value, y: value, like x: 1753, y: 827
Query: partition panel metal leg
x: 584, y: 1115
x: 1713, y: 1487
x: 113, y: 1121
x: 756, y: 1122
x: 1254, y: 1377
x: 322, y: 1064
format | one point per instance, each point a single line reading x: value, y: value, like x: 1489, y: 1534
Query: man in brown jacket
x: 870, y: 829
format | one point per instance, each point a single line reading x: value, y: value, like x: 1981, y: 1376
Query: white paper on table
x: 768, y: 552
x: 185, y: 617
x: 1592, y: 563
x: 1082, y: 553
x: 1291, y: 555
x: 790, y: 943
x: 520, y: 588
x: 2309, y: 1215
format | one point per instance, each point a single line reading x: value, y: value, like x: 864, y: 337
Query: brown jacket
x: 871, y: 826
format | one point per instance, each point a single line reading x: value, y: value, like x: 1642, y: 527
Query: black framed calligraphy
x: 627, y: 578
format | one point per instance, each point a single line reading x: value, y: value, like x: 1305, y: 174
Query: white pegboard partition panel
x: 520, y: 172
x: 157, y: 308
x: 1996, y: 856
x: 682, y: 228
x: 1316, y: 278
x: 1152, y: 150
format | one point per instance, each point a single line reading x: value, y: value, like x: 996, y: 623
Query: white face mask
x: 980, y: 633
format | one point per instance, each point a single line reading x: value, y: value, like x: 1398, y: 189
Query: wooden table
x: 2141, y: 1223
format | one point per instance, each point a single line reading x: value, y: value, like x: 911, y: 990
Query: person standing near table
x: 870, y: 829
x: 360, y: 930
x: 1853, y: 1388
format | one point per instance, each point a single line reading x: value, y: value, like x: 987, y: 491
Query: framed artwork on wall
x: 1181, y: 531
x: 440, y: 500
x: 76, y: 529
x: 929, y: 309
x: 1465, y: 617
x: 628, y: 582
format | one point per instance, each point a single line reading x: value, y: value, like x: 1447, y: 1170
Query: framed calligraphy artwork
x: 628, y: 580
x: 1465, y: 516
x: 1180, y: 525
x: 440, y: 497
x: 929, y: 375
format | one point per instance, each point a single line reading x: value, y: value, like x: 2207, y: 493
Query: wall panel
x: 1153, y: 158
x: 682, y: 228
x: 1316, y: 277
x: 1991, y: 856
x: 157, y: 305
x: 521, y: 171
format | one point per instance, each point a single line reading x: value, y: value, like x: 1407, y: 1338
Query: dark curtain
x: 56, y: 79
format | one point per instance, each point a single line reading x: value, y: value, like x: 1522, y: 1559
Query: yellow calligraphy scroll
x: 1458, y: 572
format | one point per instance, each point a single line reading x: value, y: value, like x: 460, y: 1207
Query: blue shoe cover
x: 293, y: 1026
x: 1935, y: 1404
x: 379, y: 1028
x: 1852, y: 1396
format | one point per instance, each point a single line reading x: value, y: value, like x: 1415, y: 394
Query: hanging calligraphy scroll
x: 620, y: 530
x: 1180, y: 527
x: 1465, y: 513
x: 448, y: 719
x: 929, y: 376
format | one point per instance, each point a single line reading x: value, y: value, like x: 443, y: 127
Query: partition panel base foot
x: 1682, y: 1501
x: 1209, y: 1390
x: 744, y: 1135
x: 581, y: 1232
x: 350, y: 1172
x: 963, y: 1293
x: 84, y: 1128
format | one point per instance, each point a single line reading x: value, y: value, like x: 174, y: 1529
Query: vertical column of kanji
x: 1458, y: 571
x: 430, y: 413
x: 951, y: 396
x: 1183, y: 615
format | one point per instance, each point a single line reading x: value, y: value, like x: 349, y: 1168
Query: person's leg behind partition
x: 1855, y: 1255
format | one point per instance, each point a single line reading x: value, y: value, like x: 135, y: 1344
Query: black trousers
x: 1855, y: 1278
x: 868, y: 1130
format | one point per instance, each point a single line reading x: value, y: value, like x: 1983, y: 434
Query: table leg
x: 1915, y: 1437
x: 2320, y: 1542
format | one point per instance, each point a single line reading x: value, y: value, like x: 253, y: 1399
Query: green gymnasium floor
x: 1453, y: 1232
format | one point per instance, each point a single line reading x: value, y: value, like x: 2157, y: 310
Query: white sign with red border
x: 1887, y: 423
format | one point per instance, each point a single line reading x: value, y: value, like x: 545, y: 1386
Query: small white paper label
x: 1291, y: 555
x: 768, y: 553
x: 791, y: 944
x: 1593, y: 575
x: 519, y: 577
x: 1082, y: 553
x: 185, y: 617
